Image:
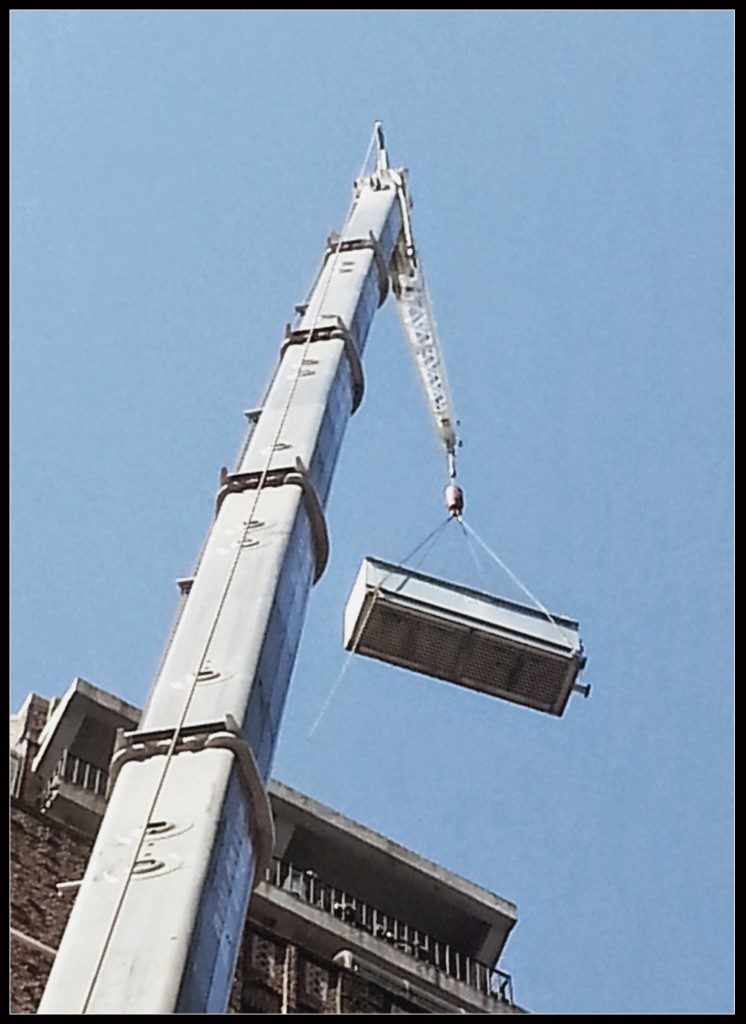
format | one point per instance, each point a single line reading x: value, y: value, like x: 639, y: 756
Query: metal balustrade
x: 79, y: 773
x: 16, y: 774
x: 358, y: 914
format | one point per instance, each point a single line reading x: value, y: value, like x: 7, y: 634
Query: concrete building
x: 343, y: 921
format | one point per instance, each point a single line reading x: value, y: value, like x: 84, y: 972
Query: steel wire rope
x: 433, y: 535
x: 203, y: 658
x: 368, y: 152
x: 496, y: 558
x: 471, y: 547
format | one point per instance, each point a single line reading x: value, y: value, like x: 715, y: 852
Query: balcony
x: 78, y: 772
x: 429, y: 953
x: 76, y: 793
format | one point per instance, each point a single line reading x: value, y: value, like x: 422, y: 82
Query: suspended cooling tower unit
x: 464, y: 636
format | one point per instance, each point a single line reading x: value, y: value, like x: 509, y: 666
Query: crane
x: 158, y: 920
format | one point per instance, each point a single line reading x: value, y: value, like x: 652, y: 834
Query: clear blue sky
x: 174, y: 178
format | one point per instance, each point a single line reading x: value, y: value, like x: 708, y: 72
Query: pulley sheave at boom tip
x: 416, y: 311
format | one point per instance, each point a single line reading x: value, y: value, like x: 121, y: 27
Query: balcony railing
x: 79, y: 773
x: 307, y: 887
x: 16, y: 774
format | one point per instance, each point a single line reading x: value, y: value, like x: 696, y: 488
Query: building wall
x: 278, y: 977
x: 42, y: 853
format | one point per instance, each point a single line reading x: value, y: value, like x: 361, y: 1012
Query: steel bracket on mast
x: 331, y: 332
x: 334, y: 246
x: 225, y: 734
x: 235, y: 483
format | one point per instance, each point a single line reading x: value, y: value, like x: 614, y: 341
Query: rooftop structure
x: 376, y: 922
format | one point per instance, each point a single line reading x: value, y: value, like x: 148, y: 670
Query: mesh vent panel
x: 315, y: 982
x: 263, y: 956
x: 479, y: 658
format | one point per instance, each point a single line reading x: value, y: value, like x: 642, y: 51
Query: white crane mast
x: 158, y: 921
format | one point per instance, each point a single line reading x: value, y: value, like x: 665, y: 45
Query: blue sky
x: 175, y: 175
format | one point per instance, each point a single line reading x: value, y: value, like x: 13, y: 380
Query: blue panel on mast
x: 272, y: 678
x: 218, y: 930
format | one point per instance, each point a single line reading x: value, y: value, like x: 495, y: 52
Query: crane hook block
x: 454, y: 500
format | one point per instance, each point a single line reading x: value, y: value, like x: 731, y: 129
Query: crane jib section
x: 417, y: 317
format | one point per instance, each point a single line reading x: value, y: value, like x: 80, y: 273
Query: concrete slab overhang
x: 390, y: 877
x: 84, y: 722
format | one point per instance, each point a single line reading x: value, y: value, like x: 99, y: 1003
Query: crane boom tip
x: 383, y: 160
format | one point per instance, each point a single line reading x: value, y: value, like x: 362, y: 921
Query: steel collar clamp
x: 334, y: 246
x: 234, y: 483
x: 226, y: 734
x: 328, y: 332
